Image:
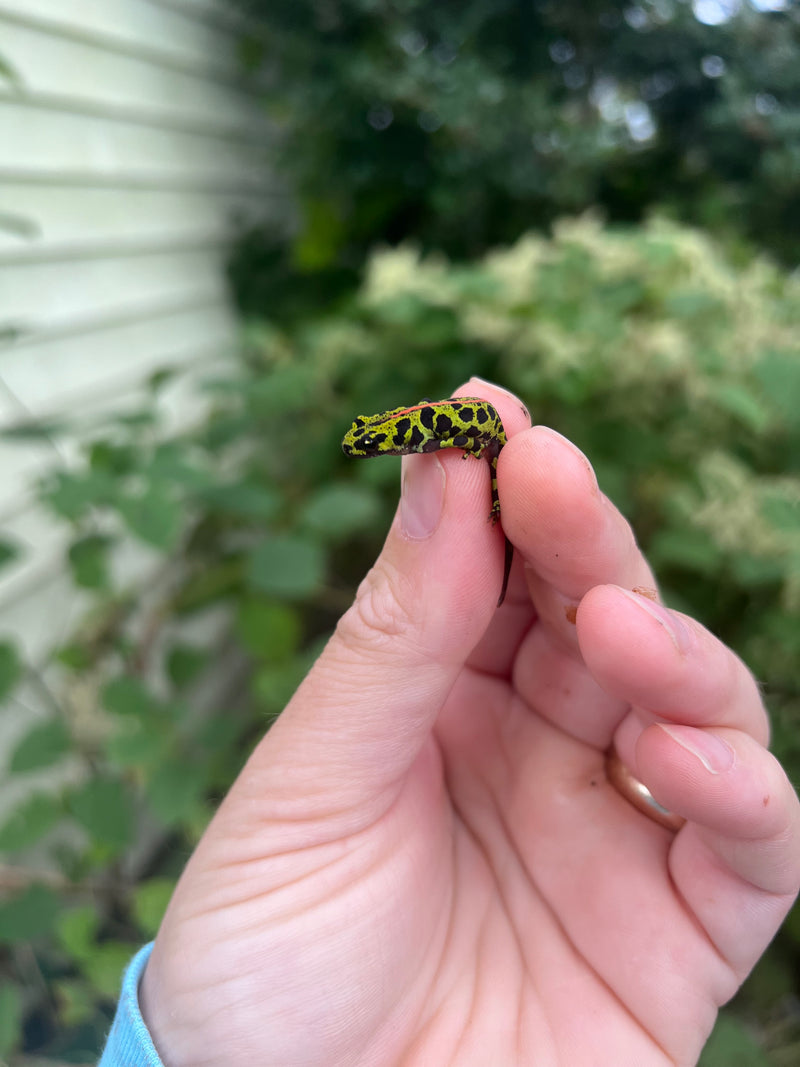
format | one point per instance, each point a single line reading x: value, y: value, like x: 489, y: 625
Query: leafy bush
x: 678, y: 373
x: 464, y: 125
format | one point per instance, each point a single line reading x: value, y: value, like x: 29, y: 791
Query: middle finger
x: 572, y: 539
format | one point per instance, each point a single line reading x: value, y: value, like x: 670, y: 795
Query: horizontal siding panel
x: 53, y: 66
x: 61, y: 374
x: 218, y: 12
x: 194, y: 181
x: 54, y: 217
x: 10, y: 410
x: 139, y: 26
x: 99, y: 287
x: 113, y: 247
x: 51, y: 139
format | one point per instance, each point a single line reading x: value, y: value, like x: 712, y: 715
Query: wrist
x: 129, y: 1041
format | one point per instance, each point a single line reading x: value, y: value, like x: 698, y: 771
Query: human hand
x: 423, y: 863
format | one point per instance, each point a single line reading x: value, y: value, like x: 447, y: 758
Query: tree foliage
x: 464, y: 125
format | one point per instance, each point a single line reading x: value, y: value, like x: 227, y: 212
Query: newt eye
x: 367, y: 441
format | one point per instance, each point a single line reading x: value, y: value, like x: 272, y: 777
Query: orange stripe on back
x: 440, y: 403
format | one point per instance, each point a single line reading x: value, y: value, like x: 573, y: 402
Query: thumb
x: 365, y: 710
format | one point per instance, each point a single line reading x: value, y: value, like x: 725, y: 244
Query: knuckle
x: 382, y: 614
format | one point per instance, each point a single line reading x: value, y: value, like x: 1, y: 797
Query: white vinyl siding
x: 129, y: 147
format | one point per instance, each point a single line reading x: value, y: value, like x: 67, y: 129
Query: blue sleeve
x: 129, y: 1043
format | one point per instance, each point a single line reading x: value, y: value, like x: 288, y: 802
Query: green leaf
x: 781, y: 510
x: 127, y: 695
x: 175, y: 790
x: 288, y: 388
x: 223, y: 430
x: 10, y: 73
x: 43, y: 430
x: 689, y: 548
x: 185, y: 663
x: 742, y: 404
x: 9, y: 551
x: 40, y: 747
x: 731, y: 1045
x: 244, y: 499
x: 779, y: 376
x: 154, y: 516
x: 103, y: 808
x: 9, y: 333
x: 158, y: 379
x: 174, y: 710
x: 335, y: 511
x: 29, y: 822
x: 143, y: 419
x: 88, y: 559
x: 139, y: 741
x: 76, y: 931
x: 10, y: 1018
x: 290, y: 567
x: 213, y: 583
x: 115, y: 459
x: 75, y: 1000
x: 219, y: 737
x: 385, y: 474
x: 753, y: 570
x: 322, y: 235
x: 150, y: 901
x: 270, y: 631
x: 171, y: 465
x: 274, y: 686
x: 10, y: 669
x: 692, y: 303
x: 66, y: 498
x: 75, y: 656
x: 23, y: 226
x: 105, y: 967
x: 28, y: 914
x: 72, y: 496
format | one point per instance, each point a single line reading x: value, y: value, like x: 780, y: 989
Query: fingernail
x: 716, y: 755
x: 575, y: 451
x: 678, y: 631
x: 421, y: 496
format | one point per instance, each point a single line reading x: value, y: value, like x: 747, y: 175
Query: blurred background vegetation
x: 590, y: 203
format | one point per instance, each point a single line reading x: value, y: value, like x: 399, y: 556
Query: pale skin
x: 423, y: 865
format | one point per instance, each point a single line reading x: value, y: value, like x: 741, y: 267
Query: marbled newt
x: 467, y: 422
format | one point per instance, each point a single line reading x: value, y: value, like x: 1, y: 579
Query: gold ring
x: 637, y: 793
